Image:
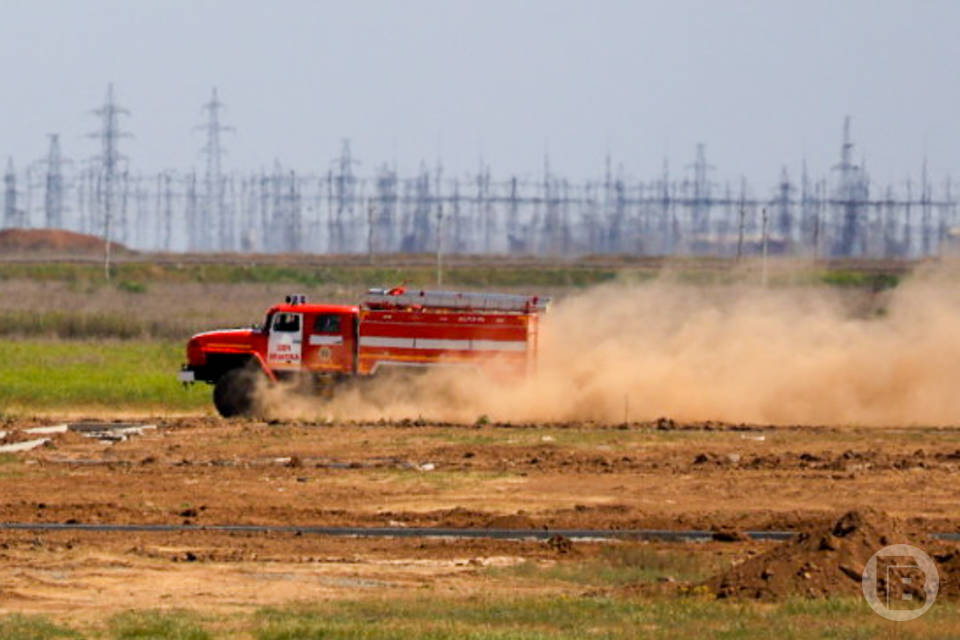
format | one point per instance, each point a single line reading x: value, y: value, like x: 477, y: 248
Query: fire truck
x: 319, y: 345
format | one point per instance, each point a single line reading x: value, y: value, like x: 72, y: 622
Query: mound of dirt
x: 515, y: 521
x: 819, y: 562
x: 57, y: 241
x: 458, y: 517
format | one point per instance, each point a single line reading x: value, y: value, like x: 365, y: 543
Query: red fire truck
x: 321, y: 344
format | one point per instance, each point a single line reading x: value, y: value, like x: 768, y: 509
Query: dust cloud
x: 736, y: 353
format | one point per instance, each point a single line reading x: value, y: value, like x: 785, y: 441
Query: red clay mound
x: 819, y: 562
x: 514, y: 521
x: 53, y: 241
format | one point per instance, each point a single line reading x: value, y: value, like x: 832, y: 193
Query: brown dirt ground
x: 210, y: 471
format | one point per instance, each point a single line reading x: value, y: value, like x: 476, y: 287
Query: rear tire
x: 235, y: 393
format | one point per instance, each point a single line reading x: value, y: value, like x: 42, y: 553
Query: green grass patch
x: 571, y: 618
x: 524, y: 617
x: 134, y: 277
x: 846, y: 278
x: 616, y: 565
x: 173, y: 625
x: 41, y: 374
x: 21, y: 627
x: 466, y: 437
x: 131, y: 286
x: 438, y: 480
x: 11, y: 466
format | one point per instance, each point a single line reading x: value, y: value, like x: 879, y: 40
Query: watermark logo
x: 900, y: 582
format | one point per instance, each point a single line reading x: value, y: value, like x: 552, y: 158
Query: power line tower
x: 10, y: 217
x: 807, y: 206
x: 163, y: 212
x: 86, y: 191
x: 422, y: 209
x: 669, y: 232
x: 214, y: 218
x: 385, y: 220
x: 926, y: 228
x: 28, y: 186
x: 53, y: 195
x: 191, y: 208
x: 109, y: 160
x: 783, y: 224
x: 344, y: 190
x: 851, y: 193
x: 700, y: 200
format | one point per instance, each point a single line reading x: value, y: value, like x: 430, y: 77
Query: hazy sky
x: 761, y: 83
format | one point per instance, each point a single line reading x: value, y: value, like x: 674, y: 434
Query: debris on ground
x: 729, y: 535
x: 110, y: 431
x: 560, y: 544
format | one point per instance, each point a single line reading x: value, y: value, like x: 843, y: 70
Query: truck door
x: 285, y: 343
x: 330, y: 342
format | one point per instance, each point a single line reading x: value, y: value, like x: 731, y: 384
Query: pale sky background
x: 762, y: 83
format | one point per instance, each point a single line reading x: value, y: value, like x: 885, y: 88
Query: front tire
x: 235, y: 393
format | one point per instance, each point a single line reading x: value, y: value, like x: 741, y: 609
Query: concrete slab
x: 57, y: 428
x: 27, y: 445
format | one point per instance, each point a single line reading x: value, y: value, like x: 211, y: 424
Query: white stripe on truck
x: 500, y: 345
x: 443, y: 345
x: 396, y: 343
x: 446, y: 345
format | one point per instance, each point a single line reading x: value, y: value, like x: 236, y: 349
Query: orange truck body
x: 391, y: 328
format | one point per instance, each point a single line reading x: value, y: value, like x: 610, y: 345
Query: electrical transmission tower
x: 701, y: 200
x: 784, y: 221
x: 109, y: 160
x: 53, y: 194
x: 344, y: 184
x: 926, y: 228
x: 851, y: 192
x: 214, y: 218
x: 382, y: 235
x: 165, y: 208
x: 10, y: 217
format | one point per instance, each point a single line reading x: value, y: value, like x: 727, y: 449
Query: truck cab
x: 320, y: 338
x: 295, y: 337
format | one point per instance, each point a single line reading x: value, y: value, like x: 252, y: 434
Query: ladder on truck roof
x: 400, y: 297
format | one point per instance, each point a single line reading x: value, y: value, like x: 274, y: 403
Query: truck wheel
x: 235, y: 393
